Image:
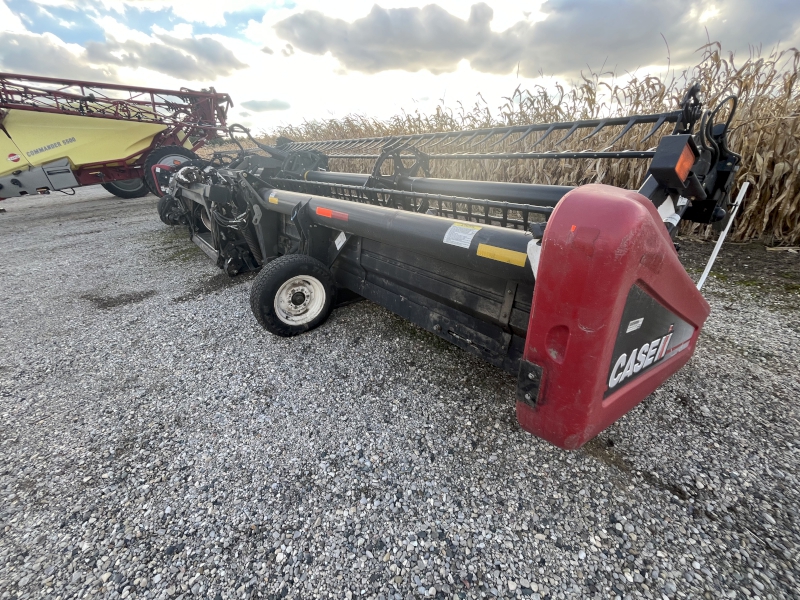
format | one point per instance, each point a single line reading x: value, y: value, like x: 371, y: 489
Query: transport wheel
x: 292, y: 294
x: 166, y: 155
x: 128, y: 188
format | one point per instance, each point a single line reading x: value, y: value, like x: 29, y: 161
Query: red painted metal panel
x: 605, y: 254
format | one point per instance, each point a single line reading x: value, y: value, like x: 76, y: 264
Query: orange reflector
x: 332, y: 214
x: 685, y: 163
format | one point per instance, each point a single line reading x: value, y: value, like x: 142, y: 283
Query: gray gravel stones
x: 155, y: 443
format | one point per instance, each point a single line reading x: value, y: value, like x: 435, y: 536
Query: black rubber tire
x: 127, y: 193
x: 166, y: 211
x: 273, y: 276
x: 155, y: 158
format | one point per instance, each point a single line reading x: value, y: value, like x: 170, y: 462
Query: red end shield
x: 614, y: 315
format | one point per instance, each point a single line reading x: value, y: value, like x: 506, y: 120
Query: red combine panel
x: 614, y: 315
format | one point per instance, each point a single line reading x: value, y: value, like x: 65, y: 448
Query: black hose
x: 252, y: 243
x: 708, y: 133
x: 238, y: 223
x: 271, y: 150
x: 724, y: 143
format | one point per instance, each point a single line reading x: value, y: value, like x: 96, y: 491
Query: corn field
x: 765, y: 131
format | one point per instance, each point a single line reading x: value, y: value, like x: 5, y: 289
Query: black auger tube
x: 518, y: 193
x: 496, y: 251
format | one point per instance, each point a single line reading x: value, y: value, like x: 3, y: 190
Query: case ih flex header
x: 58, y: 134
x: 577, y: 291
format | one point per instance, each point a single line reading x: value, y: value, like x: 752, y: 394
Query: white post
x: 721, y: 239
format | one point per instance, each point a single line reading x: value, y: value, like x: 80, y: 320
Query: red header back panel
x: 614, y: 315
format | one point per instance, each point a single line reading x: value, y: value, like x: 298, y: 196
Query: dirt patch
x: 602, y: 449
x: 748, y: 265
x: 214, y: 284
x: 108, y: 302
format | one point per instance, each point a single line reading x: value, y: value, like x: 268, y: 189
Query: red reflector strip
x: 332, y: 214
x: 685, y: 163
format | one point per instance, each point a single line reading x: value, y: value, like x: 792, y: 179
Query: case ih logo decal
x: 13, y: 157
x: 640, y: 358
x: 648, y: 334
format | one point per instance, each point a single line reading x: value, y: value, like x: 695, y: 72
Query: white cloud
x: 9, y: 21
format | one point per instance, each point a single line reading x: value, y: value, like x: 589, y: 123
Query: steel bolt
x: 531, y: 376
x: 437, y: 327
x: 528, y: 397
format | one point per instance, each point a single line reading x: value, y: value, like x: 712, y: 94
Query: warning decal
x: 13, y: 157
x: 461, y: 234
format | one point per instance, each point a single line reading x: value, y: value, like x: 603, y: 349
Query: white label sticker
x: 673, y: 219
x: 461, y: 234
x: 682, y: 201
x: 340, y: 240
x: 634, y: 325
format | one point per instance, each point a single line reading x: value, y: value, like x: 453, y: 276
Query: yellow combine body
x: 35, y: 139
x: 58, y: 134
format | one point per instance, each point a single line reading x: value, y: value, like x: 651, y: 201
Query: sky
x: 288, y: 61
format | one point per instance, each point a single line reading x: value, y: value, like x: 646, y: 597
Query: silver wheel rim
x: 173, y: 160
x: 129, y: 185
x: 300, y: 300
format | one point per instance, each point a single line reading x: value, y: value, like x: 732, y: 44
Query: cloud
x: 628, y: 34
x: 38, y: 54
x: 266, y: 105
x: 189, y: 59
x: 267, y: 50
x: 411, y: 39
x: 622, y: 34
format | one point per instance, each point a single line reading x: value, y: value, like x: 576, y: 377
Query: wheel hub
x: 300, y: 300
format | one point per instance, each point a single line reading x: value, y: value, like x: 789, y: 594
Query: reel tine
x: 600, y: 125
x: 502, y: 139
x: 488, y: 135
x: 625, y: 130
x: 472, y: 137
x: 528, y: 131
x: 546, y: 133
x: 572, y: 130
x: 655, y: 128
x: 445, y: 136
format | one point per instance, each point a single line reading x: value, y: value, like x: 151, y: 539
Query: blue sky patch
x: 79, y: 25
x: 74, y: 26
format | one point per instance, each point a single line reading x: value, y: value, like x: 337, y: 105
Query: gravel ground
x: 156, y: 443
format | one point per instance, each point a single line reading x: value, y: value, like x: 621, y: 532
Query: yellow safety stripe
x: 505, y: 255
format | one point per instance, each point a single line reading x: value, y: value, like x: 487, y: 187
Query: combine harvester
x: 59, y: 134
x: 577, y: 291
